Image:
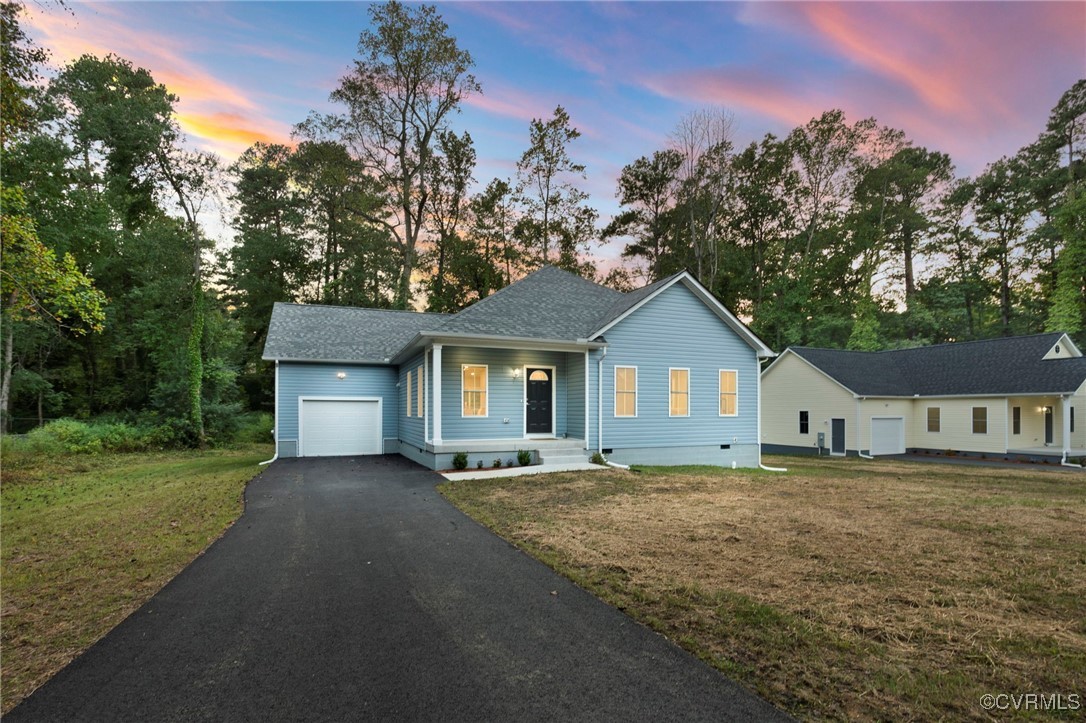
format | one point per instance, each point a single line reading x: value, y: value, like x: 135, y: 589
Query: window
x: 409, y: 394
x: 1016, y: 420
x: 474, y: 386
x: 804, y: 422
x: 680, y: 393
x: 980, y: 420
x: 418, y: 392
x: 729, y: 394
x: 1072, y: 419
x: 934, y: 419
x: 625, y: 391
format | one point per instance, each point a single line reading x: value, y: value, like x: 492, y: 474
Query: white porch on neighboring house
x: 1044, y: 426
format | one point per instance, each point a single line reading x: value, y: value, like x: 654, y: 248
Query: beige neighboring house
x: 1019, y: 397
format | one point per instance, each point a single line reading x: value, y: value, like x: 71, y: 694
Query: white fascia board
x: 493, y: 341
x: 707, y: 298
x: 812, y: 366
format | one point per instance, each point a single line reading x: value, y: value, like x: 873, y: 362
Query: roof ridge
x: 933, y: 346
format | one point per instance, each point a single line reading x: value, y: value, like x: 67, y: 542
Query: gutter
x: 275, y: 431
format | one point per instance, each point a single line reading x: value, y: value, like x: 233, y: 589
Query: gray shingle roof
x: 549, y: 304
x: 1013, y: 365
x: 546, y: 304
x: 342, y: 333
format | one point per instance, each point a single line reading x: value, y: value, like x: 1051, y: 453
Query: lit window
x: 418, y: 395
x: 729, y: 393
x: 474, y: 401
x: 680, y: 393
x: 934, y: 419
x: 980, y: 420
x: 625, y: 391
x: 804, y: 422
x: 409, y: 394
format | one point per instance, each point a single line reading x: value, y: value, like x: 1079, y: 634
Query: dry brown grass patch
x: 841, y: 589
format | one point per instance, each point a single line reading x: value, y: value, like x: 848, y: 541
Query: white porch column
x: 587, y: 401
x: 437, y: 394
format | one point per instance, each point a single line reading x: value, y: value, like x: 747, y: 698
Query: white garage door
x: 888, y: 436
x: 337, y: 427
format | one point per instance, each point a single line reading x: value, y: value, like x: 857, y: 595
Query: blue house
x: 554, y: 364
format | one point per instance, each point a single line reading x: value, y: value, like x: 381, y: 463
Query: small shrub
x: 479, y: 464
x: 498, y: 462
x: 460, y: 460
x: 524, y: 457
x: 598, y: 458
x: 509, y: 462
x: 254, y: 427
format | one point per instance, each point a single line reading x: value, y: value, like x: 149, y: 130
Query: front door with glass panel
x: 538, y: 413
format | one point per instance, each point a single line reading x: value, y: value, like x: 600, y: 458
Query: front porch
x: 482, y: 453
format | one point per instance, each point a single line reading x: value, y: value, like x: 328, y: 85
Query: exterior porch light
x: 341, y: 375
x: 516, y: 372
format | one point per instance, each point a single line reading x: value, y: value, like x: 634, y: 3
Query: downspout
x: 859, y: 433
x: 1065, y: 432
x: 758, y: 391
x: 599, y: 403
x: 275, y: 431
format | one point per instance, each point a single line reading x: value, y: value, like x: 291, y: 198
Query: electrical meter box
x: 821, y: 439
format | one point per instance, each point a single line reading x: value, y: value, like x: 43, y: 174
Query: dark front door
x: 1048, y: 425
x: 837, y: 436
x: 538, y: 413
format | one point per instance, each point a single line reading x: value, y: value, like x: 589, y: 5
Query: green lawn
x: 843, y: 589
x: 86, y: 540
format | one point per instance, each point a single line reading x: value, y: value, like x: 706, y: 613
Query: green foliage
x: 497, y: 462
x: 254, y: 428
x: 524, y: 457
x: 460, y: 460
x: 598, y: 458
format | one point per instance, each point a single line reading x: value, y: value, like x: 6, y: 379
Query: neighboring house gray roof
x: 342, y: 333
x: 1005, y: 366
x: 546, y: 304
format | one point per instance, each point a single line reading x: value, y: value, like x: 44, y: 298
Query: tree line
x: 842, y: 234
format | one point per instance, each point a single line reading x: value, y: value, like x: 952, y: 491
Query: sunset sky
x: 975, y: 80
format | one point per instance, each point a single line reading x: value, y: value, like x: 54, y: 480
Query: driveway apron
x: 351, y: 590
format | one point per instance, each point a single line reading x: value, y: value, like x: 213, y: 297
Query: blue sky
x: 975, y: 80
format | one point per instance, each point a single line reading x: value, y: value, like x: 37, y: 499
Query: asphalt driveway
x: 351, y: 590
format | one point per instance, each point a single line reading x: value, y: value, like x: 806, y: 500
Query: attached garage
x: 339, y: 427
x: 887, y: 435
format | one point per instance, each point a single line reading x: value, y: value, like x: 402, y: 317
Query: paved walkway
x: 350, y: 590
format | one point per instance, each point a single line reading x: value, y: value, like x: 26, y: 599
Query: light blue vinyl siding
x: 575, y: 395
x: 505, y: 394
x: 319, y: 380
x: 675, y: 329
x: 413, y: 428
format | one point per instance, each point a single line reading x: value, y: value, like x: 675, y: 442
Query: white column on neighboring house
x: 437, y: 394
x: 426, y: 398
x: 1065, y: 405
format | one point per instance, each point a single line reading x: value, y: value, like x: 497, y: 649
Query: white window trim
x: 720, y: 392
x: 464, y: 391
x: 927, y: 420
x: 614, y: 392
x: 409, y: 387
x: 972, y: 421
x: 420, y: 390
x: 670, y: 391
